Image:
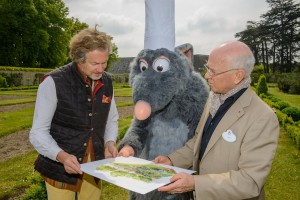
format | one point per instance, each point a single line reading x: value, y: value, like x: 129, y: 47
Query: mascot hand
x: 142, y: 110
x: 163, y: 160
x: 126, y: 151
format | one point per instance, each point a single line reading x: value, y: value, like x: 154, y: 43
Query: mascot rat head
x: 156, y: 77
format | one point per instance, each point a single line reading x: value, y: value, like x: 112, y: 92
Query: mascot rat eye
x: 143, y: 65
x: 161, y: 64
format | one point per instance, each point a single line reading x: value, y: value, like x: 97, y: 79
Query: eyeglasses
x: 213, y: 74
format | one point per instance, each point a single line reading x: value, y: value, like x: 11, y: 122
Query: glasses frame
x: 213, y: 74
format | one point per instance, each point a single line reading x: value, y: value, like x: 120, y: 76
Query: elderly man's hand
x: 180, y: 183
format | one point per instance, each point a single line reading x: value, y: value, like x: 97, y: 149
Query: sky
x: 203, y: 23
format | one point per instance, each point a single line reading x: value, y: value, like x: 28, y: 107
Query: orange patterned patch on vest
x: 106, y: 99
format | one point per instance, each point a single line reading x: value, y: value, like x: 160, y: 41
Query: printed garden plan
x: 132, y: 173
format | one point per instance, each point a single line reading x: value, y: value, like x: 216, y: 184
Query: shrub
x: 289, y: 83
x: 258, y: 69
x: 283, y: 118
x: 293, y: 112
x: 3, y: 83
x: 262, y: 87
x: 270, y: 103
x: 282, y: 105
x: 294, y: 132
x: 13, y: 79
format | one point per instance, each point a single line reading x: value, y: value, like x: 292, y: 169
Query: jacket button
x: 85, y: 144
x: 92, y: 129
x: 80, y: 159
x: 90, y: 114
x: 86, y: 85
x: 89, y: 99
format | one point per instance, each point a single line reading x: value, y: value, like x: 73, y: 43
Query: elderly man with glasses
x: 236, y: 139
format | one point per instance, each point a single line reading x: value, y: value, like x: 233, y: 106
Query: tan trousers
x: 89, y: 191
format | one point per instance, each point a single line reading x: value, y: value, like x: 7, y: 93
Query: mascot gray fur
x: 177, y: 95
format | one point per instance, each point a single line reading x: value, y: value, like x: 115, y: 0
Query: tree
x: 285, y: 18
x: 35, y: 33
x: 276, y: 37
x: 18, y: 45
x: 262, y: 87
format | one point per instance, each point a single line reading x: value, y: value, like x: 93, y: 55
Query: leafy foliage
x: 294, y: 112
x: 37, y: 189
x: 262, y: 87
x: 289, y: 83
x: 3, y: 82
x: 47, y: 47
x: 275, y: 39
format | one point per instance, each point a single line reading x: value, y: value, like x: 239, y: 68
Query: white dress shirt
x: 45, y: 107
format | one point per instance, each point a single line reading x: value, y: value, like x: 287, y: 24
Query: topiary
x: 262, y: 87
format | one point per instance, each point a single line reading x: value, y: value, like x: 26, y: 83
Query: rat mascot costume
x: 168, y: 95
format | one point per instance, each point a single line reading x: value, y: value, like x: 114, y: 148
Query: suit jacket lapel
x: 199, y: 130
x: 231, y: 116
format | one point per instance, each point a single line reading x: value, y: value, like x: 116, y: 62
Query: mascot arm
x: 135, y: 136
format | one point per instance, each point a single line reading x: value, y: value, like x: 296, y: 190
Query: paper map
x: 132, y: 173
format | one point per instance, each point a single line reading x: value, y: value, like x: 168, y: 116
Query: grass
x: 11, y: 122
x: 113, y: 192
x: 292, y: 99
x: 284, y: 179
x: 123, y: 92
x: 124, y: 104
x: 123, y: 126
x: 17, y: 101
x: 31, y: 92
x: 14, y: 173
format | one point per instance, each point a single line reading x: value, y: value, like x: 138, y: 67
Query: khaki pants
x: 89, y: 191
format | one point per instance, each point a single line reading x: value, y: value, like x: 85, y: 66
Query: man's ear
x: 187, y: 50
x: 239, y: 76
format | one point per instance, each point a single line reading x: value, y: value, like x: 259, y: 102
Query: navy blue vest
x: 78, y: 116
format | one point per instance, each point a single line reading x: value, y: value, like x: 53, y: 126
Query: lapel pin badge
x: 229, y: 136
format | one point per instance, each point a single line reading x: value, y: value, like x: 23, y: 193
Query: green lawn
x: 11, y: 122
x: 14, y: 173
x: 292, y: 99
x: 284, y: 180
x: 17, y: 101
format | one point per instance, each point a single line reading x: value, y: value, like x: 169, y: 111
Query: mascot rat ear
x: 187, y: 50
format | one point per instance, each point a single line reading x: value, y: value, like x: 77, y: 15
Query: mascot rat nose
x: 142, y: 110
